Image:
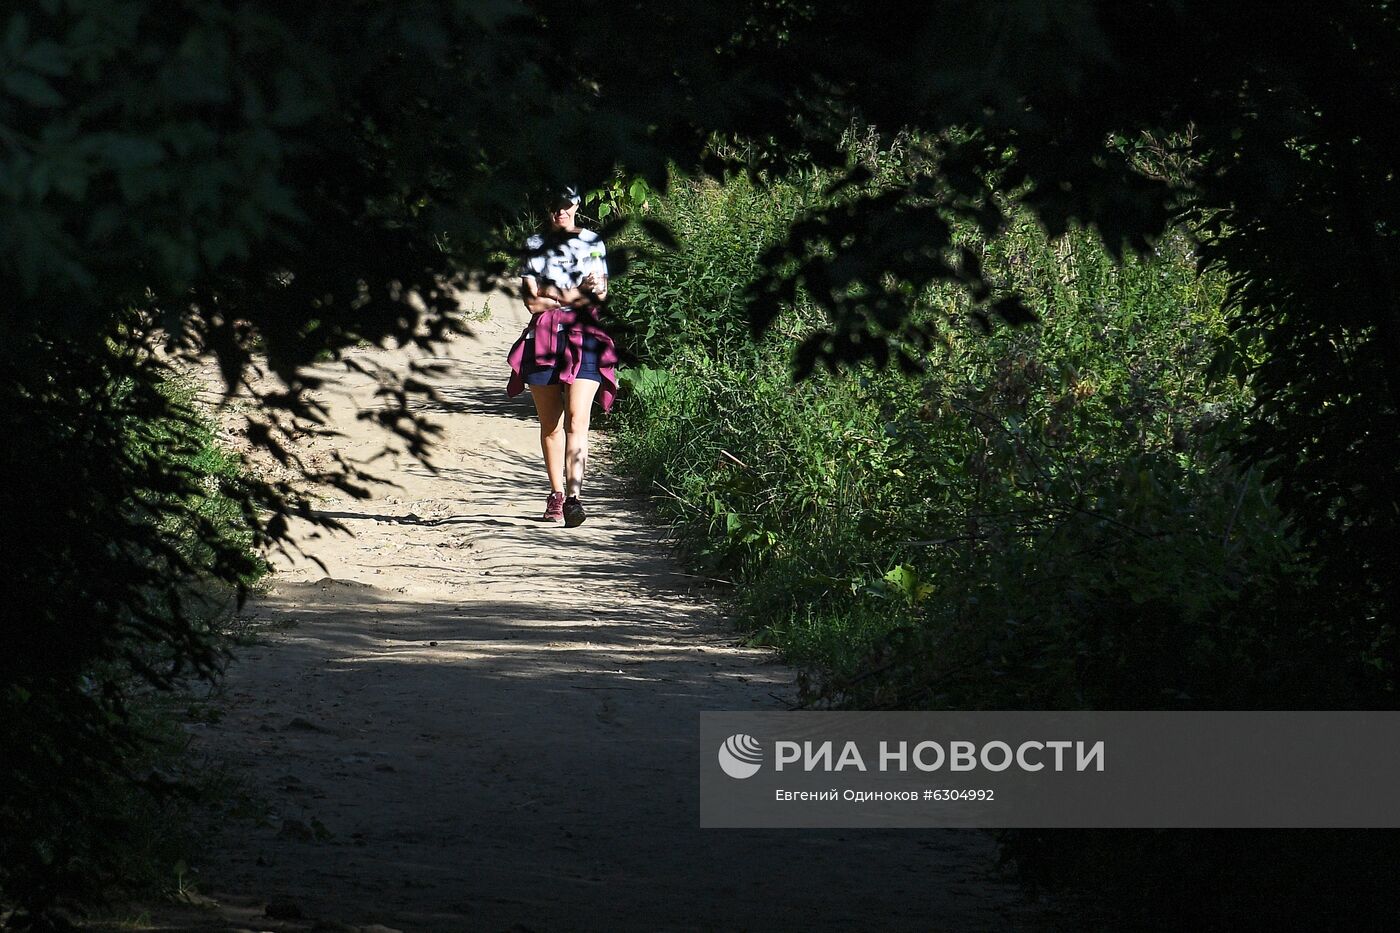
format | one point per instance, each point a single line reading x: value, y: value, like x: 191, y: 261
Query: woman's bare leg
x: 579, y: 408
x: 549, y: 403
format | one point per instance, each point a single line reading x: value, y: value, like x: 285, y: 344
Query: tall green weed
x: 1044, y: 517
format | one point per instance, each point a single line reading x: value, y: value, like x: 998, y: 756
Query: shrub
x: 1044, y: 517
x: 137, y: 535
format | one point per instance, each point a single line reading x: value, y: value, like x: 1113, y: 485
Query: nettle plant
x: 989, y: 500
x: 1070, y: 520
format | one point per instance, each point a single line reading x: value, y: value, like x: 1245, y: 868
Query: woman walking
x: 564, y: 355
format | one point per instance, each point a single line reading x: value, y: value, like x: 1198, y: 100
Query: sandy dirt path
x: 472, y: 720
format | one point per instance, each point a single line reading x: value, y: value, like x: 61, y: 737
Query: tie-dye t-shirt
x: 565, y: 264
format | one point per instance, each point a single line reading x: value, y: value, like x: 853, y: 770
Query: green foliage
x: 694, y: 296
x: 1046, y: 517
x: 131, y: 548
x: 620, y: 196
x: 185, y: 440
x: 1041, y: 518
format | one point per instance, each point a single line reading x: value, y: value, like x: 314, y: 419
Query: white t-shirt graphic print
x: 564, y: 264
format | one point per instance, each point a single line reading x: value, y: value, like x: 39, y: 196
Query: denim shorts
x: 536, y: 375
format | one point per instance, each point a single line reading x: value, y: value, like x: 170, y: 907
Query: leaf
x: 32, y: 89
x: 905, y: 579
x: 16, y: 34
x: 127, y: 151
x: 425, y: 33
x: 222, y: 244
x: 46, y: 57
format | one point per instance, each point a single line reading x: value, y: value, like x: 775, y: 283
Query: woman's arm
x: 538, y: 298
x: 541, y: 296
x: 552, y: 296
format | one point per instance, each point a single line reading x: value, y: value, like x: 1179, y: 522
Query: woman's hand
x: 545, y: 297
x: 541, y: 297
x: 595, y: 285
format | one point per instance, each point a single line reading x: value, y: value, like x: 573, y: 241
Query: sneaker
x: 573, y: 512
x: 554, y: 507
